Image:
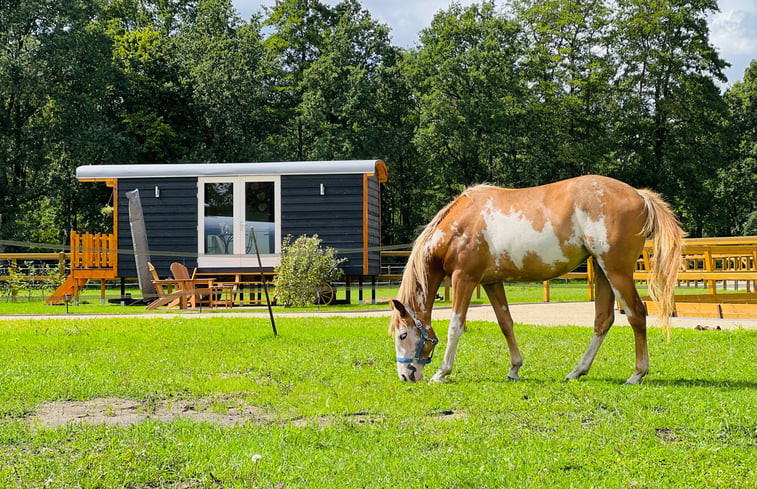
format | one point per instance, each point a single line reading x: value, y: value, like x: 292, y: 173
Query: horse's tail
x: 666, y: 254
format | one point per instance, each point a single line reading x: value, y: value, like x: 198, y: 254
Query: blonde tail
x: 666, y: 254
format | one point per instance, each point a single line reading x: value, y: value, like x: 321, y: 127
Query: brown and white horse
x: 488, y: 235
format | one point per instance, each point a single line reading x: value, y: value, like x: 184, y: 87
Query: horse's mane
x: 415, y: 278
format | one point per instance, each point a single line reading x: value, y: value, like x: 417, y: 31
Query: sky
x: 733, y: 30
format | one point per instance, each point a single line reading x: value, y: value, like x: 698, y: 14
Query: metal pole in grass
x: 262, y: 279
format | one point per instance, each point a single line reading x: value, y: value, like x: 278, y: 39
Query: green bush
x: 305, y: 267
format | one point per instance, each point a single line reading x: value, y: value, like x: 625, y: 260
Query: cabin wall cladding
x: 374, y: 226
x: 170, y: 220
x: 336, y: 216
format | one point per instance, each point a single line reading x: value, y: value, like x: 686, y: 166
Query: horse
x: 489, y: 235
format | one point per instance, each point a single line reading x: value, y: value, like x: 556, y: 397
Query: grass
x: 333, y: 414
x: 90, y: 299
x: 560, y: 291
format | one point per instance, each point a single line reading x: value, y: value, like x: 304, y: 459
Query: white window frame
x: 239, y: 258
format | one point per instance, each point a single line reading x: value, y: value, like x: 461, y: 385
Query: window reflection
x: 219, y: 218
x: 259, y: 215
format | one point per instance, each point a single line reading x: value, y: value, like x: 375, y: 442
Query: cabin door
x: 231, y: 210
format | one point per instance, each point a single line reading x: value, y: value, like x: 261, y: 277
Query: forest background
x: 517, y: 96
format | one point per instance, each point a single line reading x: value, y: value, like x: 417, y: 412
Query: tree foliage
x: 536, y: 92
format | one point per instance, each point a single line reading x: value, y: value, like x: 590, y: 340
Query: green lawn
x: 325, y: 409
x: 560, y: 291
x: 89, y: 303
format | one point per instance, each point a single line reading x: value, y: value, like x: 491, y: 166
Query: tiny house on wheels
x: 203, y: 215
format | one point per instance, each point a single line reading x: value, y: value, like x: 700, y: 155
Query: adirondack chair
x: 163, y: 287
x: 189, y: 293
x: 195, y: 289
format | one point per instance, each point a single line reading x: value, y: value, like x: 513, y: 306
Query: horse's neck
x: 423, y: 305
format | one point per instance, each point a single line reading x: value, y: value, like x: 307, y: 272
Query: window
x: 231, y: 210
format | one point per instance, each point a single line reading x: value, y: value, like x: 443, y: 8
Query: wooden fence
x: 719, y: 276
x: 31, y: 271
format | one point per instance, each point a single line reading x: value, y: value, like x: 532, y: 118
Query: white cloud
x: 734, y: 32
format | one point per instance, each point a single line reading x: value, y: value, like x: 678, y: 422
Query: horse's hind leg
x: 498, y: 299
x: 636, y: 313
x: 604, y: 315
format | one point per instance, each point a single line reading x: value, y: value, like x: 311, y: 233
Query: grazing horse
x: 488, y: 235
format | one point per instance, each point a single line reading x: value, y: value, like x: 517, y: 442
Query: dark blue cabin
x: 203, y: 215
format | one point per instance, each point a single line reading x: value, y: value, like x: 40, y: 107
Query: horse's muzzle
x: 409, y: 372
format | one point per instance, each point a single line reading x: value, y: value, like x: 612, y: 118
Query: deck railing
x: 94, y: 252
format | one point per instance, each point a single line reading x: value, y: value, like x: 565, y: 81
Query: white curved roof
x: 92, y: 172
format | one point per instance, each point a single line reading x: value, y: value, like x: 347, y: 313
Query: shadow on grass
x: 681, y: 382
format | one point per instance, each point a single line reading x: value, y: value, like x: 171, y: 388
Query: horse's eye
x: 403, y: 336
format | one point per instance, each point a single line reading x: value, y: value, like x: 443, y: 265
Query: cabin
x: 204, y: 215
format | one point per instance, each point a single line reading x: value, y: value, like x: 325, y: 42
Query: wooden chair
x: 188, y: 290
x: 197, y: 289
x: 190, y: 285
x: 160, y: 287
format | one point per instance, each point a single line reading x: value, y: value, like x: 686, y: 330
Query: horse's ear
x: 398, y: 306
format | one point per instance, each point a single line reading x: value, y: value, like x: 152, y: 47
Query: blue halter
x: 424, y: 338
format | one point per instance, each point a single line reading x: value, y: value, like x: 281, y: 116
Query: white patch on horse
x: 514, y: 235
x: 594, y: 233
x: 454, y: 333
x: 599, y: 190
x: 435, y: 240
x: 421, y: 299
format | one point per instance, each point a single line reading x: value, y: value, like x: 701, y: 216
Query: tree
x: 341, y: 105
x: 469, y: 83
x: 153, y: 105
x: 55, y: 85
x: 300, y: 28
x: 737, y: 183
x: 569, y: 67
x: 671, y: 117
x: 225, y: 72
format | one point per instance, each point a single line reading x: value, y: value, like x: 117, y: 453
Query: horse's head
x: 414, y: 342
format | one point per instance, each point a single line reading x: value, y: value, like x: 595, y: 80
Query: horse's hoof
x: 438, y: 378
x: 512, y: 377
x: 635, y: 379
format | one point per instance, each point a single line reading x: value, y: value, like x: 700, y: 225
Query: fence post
x: 14, y: 280
x: 708, y: 268
x: 61, y: 264
x: 546, y: 291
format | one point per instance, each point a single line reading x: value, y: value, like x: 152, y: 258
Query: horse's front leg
x: 462, y: 289
x: 498, y: 299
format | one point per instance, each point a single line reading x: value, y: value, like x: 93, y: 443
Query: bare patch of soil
x: 123, y: 412
x: 226, y: 412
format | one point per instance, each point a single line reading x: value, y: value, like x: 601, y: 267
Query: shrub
x: 304, y: 267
